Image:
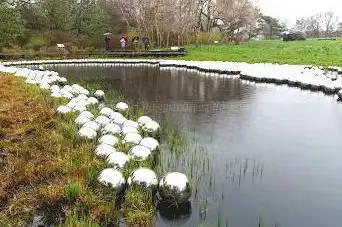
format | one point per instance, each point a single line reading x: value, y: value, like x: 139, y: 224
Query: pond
x: 270, y: 155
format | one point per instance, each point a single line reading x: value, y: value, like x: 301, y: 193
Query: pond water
x: 275, y: 153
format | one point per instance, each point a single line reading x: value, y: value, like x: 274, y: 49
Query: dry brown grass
x: 41, y: 162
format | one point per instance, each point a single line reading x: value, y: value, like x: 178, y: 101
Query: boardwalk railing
x: 117, y: 53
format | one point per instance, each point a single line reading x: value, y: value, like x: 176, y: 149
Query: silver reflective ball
x: 117, y: 160
x: 121, y: 106
x: 143, y: 177
x: 106, y: 111
x: 174, y: 188
x: 140, y: 153
x: 102, y: 120
x: 113, y: 178
x: 108, y: 139
x: 88, y: 133
x: 150, y: 143
x: 132, y: 138
x: 104, y: 150
x: 111, y: 128
x: 143, y: 120
x: 63, y: 109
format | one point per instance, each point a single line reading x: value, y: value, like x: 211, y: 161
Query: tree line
x: 80, y: 24
x: 324, y: 24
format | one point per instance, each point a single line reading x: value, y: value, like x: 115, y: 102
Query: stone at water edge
x: 140, y: 153
x: 134, y: 138
x: 143, y: 177
x: 117, y: 160
x: 174, y: 188
x: 63, y: 109
x: 88, y: 133
x: 143, y: 120
x: 104, y: 150
x: 111, y: 128
x: 121, y: 106
x: 108, y: 139
x: 113, y: 178
x: 102, y: 120
x: 150, y: 143
x: 81, y: 120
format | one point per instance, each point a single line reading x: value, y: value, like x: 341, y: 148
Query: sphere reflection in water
x: 178, y: 216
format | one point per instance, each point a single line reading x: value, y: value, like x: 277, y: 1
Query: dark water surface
x: 275, y: 152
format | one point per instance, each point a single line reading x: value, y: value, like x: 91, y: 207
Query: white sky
x: 289, y: 10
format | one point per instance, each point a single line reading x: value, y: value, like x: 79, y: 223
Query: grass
x: 313, y: 52
x: 44, y: 166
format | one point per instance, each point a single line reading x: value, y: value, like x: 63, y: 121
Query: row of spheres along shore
x: 112, y: 130
x: 325, y: 79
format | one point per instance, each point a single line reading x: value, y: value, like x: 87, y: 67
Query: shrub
x: 292, y: 36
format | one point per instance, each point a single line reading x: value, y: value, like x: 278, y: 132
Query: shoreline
x: 327, y: 80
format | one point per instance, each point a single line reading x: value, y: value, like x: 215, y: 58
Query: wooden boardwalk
x: 118, y: 53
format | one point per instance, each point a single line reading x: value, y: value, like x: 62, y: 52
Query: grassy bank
x: 47, y: 170
x: 321, y: 53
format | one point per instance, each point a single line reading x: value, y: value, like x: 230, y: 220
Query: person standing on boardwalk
x: 122, y: 43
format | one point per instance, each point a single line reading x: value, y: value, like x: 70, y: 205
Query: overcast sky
x: 289, y: 10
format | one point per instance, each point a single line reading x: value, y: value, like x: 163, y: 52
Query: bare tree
x: 329, y: 21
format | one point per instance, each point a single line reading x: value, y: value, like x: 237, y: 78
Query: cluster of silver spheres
x: 112, y: 131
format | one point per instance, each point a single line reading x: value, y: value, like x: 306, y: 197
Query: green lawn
x: 321, y: 53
